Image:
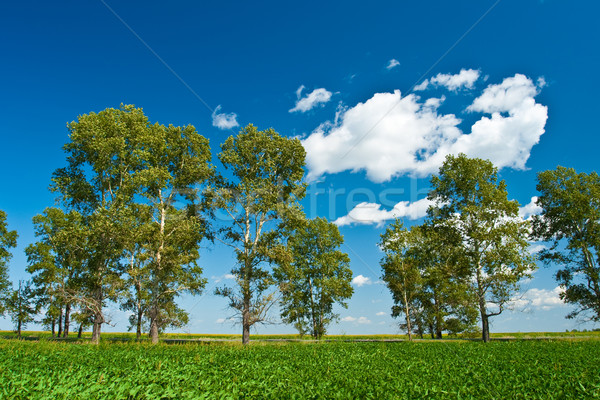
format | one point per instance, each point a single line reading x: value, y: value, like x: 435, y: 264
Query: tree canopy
x: 469, y: 199
x: 261, y: 190
x: 570, y: 221
x: 316, y: 277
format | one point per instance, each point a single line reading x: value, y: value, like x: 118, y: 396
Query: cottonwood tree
x: 259, y: 193
x: 102, y: 156
x: 55, y: 261
x: 401, y: 271
x: 21, y: 306
x: 446, y: 299
x: 469, y: 198
x: 570, y: 220
x: 137, y: 270
x: 315, y: 277
x: 8, y: 240
x: 175, y: 162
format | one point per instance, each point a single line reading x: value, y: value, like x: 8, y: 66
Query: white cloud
x: 361, y: 280
x: 544, y: 299
x: 381, y: 314
x: 372, y: 213
x: 530, y: 209
x: 223, y: 120
x: 421, y: 86
x: 311, y: 100
x: 392, y: 63
x: 536, y: 248
x: 359, y: 320
x: 221, y: 321
x: 389, y: 135
x: 466, y: 78
x: 218, y: 279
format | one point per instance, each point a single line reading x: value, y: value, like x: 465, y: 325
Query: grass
x: 555, y: 369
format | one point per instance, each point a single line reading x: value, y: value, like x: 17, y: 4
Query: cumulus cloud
x: 530, y: 209
x: 311, y: 100
x: 381, y: 314
x: 536, y: 248
x: 359, y: 320
x: 361, y: 280
x: 392, y: 63
x: 372, y: 213
x: 224, y: 120
x: 465, y: 79
x: 218, y: 279
x: 389, y: 135
x: 544, y: 299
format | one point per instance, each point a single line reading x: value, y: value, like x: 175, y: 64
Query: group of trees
x: 468, y: 257
x: 136, y: 200
x: 465, y: 262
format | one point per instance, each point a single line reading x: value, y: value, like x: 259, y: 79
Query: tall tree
x: 259, y: 194
x: 137, y: 274
x: 445, y: 298
x: 21, y: 306
x: 102, y: 156
x: 401, y: 271
x: 469, y: 198
x: 56, y: 262
x: 317, y: 277
x: 175, y: 163
x: 8, y: 240
x: 570, y: 220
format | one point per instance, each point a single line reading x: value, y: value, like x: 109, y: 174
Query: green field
x: 558, y: 369
x: 127, y: 336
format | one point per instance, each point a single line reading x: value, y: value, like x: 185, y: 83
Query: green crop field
x: 562, y: 369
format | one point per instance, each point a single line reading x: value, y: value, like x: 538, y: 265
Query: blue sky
x: 510, y: 80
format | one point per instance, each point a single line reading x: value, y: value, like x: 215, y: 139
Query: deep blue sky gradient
x: 63, y: 59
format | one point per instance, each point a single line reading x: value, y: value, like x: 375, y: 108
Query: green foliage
x: 515, y: 370
x: 163, y: 250
x: 470, y: 200
x: 56, y: 261
x: 570, y: 203
x: 422, y: 270
x: 99, y: 182
x: 401, y: 271
x: 260, y: 195
x: 21, y: 306
x: 8, y: 240
x: 317, y: 277
x: 124, y: 173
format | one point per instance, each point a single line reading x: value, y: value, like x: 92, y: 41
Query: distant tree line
x: 137, y: 199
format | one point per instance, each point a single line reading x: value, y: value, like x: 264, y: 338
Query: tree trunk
x: 154, y: 325
x: 53, y: 327
x: 80, y: 331
x: 19, y: 328
x: 138, y: 332
x: 60, y: 322
x: 485, y: 326
x: 97, y: 327
x: 437, y: 317
x: 407, y: 312
x: 67, y: 320
x: 246, y: 320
